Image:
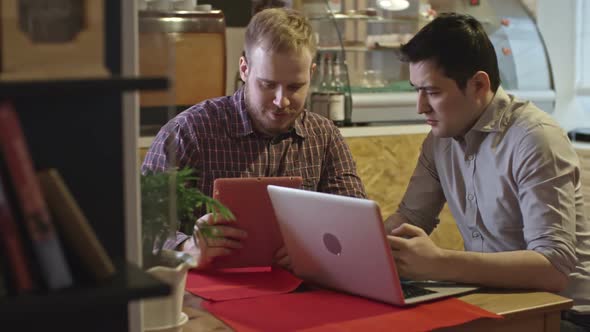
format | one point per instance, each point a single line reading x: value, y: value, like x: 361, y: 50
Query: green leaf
x: 169, y: 197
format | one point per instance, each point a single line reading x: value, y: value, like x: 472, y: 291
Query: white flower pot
x: 165, y: 313
x: 173, y: 328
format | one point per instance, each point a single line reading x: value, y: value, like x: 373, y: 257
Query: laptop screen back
x: 337, y: 242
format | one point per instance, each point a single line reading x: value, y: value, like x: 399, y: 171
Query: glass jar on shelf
x: 328, y: 97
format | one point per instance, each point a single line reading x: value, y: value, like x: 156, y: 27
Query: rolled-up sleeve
x: 424, y: 197
x: 547, y: 172
x: 173, y: 242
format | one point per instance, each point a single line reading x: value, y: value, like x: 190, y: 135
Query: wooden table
x: 522, y: 311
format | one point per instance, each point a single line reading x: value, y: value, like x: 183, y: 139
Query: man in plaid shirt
x: 262, y: 130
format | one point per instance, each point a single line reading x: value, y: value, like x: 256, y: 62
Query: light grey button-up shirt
x: 512, y: 183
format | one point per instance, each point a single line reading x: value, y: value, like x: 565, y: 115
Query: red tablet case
x: 248, y: 200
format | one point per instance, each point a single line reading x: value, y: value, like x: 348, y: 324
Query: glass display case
x: 358, y: 43
x: 358, y: 46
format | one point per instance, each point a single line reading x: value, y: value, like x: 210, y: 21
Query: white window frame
x: 583, y: 48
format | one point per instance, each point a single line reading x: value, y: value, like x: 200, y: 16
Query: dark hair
x: 458, y: 44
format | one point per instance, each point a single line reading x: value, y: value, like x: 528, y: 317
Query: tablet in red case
x: 248, y: 200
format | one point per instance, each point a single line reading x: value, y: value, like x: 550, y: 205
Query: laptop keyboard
x: 414, y: 291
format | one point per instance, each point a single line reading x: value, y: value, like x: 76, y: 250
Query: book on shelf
x: 74, y: 228
x: 37, y: 220
x: 3, y: 290
x: 15, y: 258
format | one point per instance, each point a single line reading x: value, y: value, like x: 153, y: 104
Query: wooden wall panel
x: 385, y: 164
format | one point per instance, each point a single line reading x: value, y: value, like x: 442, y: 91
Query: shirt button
x: 470, y: 157
x: 475, y: 234
x: 470, y: 197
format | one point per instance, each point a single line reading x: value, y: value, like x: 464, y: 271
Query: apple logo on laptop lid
x: 332, y: 244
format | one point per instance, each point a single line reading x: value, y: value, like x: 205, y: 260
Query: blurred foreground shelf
x: 89, y: 86
x: 129, y: 283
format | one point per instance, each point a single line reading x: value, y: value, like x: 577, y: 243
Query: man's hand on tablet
x: 212, y: 238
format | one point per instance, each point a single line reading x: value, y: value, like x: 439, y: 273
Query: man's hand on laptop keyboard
x: 213, y: 238
x: 416, y: 256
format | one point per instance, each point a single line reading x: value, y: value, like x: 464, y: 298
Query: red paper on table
x: 331, y: 311
x: 241, y: 283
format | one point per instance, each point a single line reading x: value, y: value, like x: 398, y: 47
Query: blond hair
x: 279, y: 30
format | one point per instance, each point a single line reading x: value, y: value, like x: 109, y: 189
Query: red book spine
x: 37, y: 219
x: 11, y: 241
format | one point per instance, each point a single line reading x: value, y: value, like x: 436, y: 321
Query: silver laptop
x: 339, y: 242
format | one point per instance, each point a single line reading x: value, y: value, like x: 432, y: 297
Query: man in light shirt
x: 508, y: 172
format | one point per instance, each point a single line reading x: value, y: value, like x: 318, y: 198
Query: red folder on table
x: 231, y: 284
x: 330, y: 311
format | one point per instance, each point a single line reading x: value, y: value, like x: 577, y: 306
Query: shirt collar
x: 495, y: 117
x: 241, y: 124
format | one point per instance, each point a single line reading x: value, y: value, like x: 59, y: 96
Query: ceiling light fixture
x: 393, y: 5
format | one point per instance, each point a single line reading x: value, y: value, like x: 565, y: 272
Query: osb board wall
x: 142, y: 153
x: 385, y: 165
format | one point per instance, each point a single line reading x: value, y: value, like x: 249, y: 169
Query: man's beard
x: 285, y: 110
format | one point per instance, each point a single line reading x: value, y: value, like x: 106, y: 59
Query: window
x: 583, y: 49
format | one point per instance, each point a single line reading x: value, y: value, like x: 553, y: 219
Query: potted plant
x: 168, y: 205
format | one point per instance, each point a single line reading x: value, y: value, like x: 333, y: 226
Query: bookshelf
x: 130, y: 283
x: 82, y: 127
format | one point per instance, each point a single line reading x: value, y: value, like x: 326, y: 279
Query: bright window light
x: 393, y: 4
